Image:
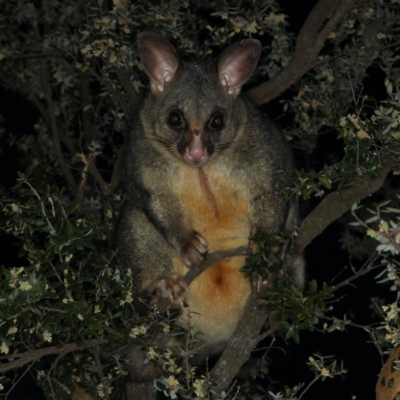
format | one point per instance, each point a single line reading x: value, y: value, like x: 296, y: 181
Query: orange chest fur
x: 216, y: 205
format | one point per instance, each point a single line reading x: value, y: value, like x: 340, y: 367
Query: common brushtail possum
x: 204, y: 169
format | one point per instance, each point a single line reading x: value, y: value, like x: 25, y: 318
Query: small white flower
x: 12, y: 330
x: 25, y: 286
x: 47, y: 336
x: 100, y: 390
x: 361, y: 134
x: 173, y: 383
x: 4, y: 348
x: 324, y: 372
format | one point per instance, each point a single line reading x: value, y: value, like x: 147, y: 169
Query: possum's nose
x: 196, y: 151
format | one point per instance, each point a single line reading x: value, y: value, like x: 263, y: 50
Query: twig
x: 193, y: 273
x: 57, y: 310
x: 267, y: 333
x: 19, y: 378
x: 310, y: 384
x: 48, y: 376
x: 42, y: 207
x: 91, y: 165
x: 367, y: 267
x: 82, y: 185
x: 354, y: 325
x: 96, y: 355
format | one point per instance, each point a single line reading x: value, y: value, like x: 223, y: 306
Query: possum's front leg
x: 167, y: 215
x: 194, y: 252
x: 169, y: 291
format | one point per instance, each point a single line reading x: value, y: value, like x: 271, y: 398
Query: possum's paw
x: 195, y: 252
x: 168, y: 292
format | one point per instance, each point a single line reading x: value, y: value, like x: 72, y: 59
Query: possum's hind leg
x: 169, y: 292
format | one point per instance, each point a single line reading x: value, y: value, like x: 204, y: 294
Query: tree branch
x: 131, y: 100
x: 309, y: 43
x: 44, y: 75
x: 337, y: 203
x: 117, y: 171
x: 33, y: 355
x: 43, y: 112
x: 241, y: 343
x: 88, y: 131
x: 90, y: 165
x: 193, y: 273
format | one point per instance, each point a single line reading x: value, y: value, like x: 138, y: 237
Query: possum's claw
x: 168, y: 292
x: 195, y: 252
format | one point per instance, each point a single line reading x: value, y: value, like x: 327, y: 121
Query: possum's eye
x: 175, y: 120
x: 217, y: 122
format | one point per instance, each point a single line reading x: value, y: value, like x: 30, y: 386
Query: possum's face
x: 197, y: 138
x: 192, y: 110
x: 193, y: 118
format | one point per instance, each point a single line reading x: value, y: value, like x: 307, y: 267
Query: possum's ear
x: 159, y: 59
x: 237, y: 63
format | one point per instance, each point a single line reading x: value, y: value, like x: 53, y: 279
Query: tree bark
x: 335, y: 204
x: 319, y: 24
x: 241, y: 344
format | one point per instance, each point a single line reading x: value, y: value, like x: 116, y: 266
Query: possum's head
x: 193, y: 110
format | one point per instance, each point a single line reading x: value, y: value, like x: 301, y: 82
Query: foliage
x: 323, y: 367
x: 76, y: 65
x: 70, y: 288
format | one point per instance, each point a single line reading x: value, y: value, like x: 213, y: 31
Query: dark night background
x: 325, y: 260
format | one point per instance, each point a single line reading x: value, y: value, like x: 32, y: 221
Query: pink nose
x: 196, y: 155
x: 196, y: 152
